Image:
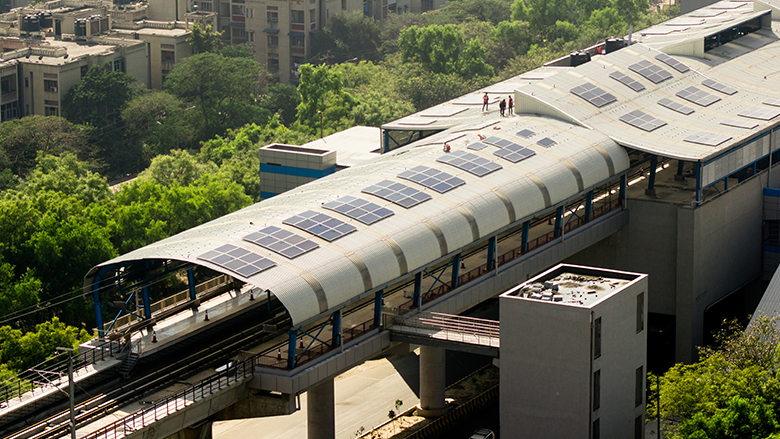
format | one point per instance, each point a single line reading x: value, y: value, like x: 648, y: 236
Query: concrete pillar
x: 432, y: 382
x: 320, y: 406
x: 650, y: 191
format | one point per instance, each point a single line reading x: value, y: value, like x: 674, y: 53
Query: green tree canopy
x: 323, y: 91
x: 350, y: 34
x: 441, y: 50
x: 179, y: 168
x: 159, y: 121
x: 203, y: 39
x: 99, y: 96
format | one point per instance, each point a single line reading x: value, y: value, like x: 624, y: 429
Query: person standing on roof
x: 511, y: 106
x: 485, y: 100
x: 502, y: 107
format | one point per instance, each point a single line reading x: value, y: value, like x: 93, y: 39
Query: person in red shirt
x: 485, y: 102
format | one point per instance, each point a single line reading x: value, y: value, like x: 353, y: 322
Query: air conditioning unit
x: 274, y: 19
x: 54, y: 89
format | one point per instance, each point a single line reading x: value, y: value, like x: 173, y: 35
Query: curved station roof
x: 331, y: 241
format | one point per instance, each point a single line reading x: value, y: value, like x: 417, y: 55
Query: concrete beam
x: 321, y: 411
x: 432, y: 382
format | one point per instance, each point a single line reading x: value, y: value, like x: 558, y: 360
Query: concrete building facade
x: 573, y: 354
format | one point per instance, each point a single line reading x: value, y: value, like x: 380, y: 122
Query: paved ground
x: 364, y: 395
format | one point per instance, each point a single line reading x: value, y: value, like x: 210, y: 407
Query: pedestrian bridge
x: 454, y: 332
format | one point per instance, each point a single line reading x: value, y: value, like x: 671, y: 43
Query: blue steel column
x: 651, y: 181
x: 588, y: 205
x: 491, y: 256
x: 524, y: 241
x: 698, y: 182
x: 191, y: 283
x: 386, y: 141
x: 292, y: 335
x: 378, y: 302
x: 417, y: 290
x: 336, y: 328
x: 147, y: 303
x: 558, y: 221
x: 623, y: 190
x: 96, y: 303
x: 455, y: 270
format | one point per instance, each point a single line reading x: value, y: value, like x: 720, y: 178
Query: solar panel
x: 397, y: 193
x: 628, y: 81
x: 772, y: 101
x: 284, y: 242
x: 319, y: 224
x: 477, y: 146
x: 546, y: 142
x: 526, y: 133
x: 498, y: 141
x: 469, y: 162
x: 698, y: 96
x: 357, y: 208
x: 759, y: 113
x: 676, y: 106
x: 514, y: 153
x: 672, y: 62
x: 725, y: 89
x: 706, y: 138
x: 642, y: 120
x: 237, y: 260
x: 595, y: 95
x: 739, y: 123
x: 435, y: 179
x: 650, y: 71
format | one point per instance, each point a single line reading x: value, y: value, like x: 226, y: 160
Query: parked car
x: 483, y: 433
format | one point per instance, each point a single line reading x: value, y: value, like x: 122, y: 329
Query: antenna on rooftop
x: 630, y: 32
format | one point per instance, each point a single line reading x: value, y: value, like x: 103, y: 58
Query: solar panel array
x: 357, y: 208
x: 642, y: 120
x: 237, y: 260
x: 525, y: 133
x: 284, y: 242
x: 498, y: 141
x: 698, y: 96
x: 628, y: 81
x: 469, y: 162
x: 725, y: 89
x: 739, y: 123
x: 319, y: 224
x: 514, y: 153
x: 772, y: 101
x: 593, y: 94
x: 546, y: 142
x: 672, y: 62
x: 435, y: 179
x: 759, y: 113
x: 650, y: 71
x: 707, y: 138
x: 676, y: 106
x: 397, y: 193
x: 477, y: 146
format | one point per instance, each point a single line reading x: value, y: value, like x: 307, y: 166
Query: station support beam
x: 416, y: 299
x: 558, y: 221
x: 97, y: 306
x: 432, y: 382
x: 147, y: 303
x: 623, y: 194
x: 292, y: 336
x: 455, y: 270
x: 588, y: 206
x: 650, y: 191
x: 378, y: 302
x: 491, y: 254
x: 191, y: 283
x: 680, y: 176
x: 320, y: 407
x: 336, y: 328
x: 524, y: 242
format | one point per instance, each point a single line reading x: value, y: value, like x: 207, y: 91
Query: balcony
x: 238, y: 18
x: 298, y: 27
x: 167, y: 65
x: 313, y: 26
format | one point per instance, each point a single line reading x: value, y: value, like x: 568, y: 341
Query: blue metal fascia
x: 297, y: 172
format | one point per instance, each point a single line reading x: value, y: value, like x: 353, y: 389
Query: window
x: 312, y: 16
x: 296, y: 41
x: 427, y: 5
x: 119, y: 65
x: 272, y: 17
x: 50, y: 86
x: 26, y: 83
x: 239, y: 33
x: 84, y: 70
x: 343, y: 5
x: 51, y: 111
x: 597, y: 338
x: 297, y: 16
x: 639, y: 427
x: 167, y: 56
x: 205, y: 6
x: 273, y: 65
x: 250, y: 35
x: 596, y: 429
x: 639, y: 393
x: 273, y: 40
x: 596, y: 390
x: 249, y: 13
x: 8, y: 85
x: 640, y: 312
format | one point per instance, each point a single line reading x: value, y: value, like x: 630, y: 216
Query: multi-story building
x: 280, y: 31
x: 574, y: 353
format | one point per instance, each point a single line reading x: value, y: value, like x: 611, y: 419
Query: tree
x: 436, y: 47
x: 282, y: 99
x: 22, y: 351
x: 223, y: 91
x: 322, y: 92
x: 178, y: 168
x: 98, y: 97
x: 543, y: 14
x: 159, y: 121
x: 492, y: 11
x: 350, y: 34
x: 17, y: 294
x: 21, y: 141
x: 202, y: 39
x: 237, y: 51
